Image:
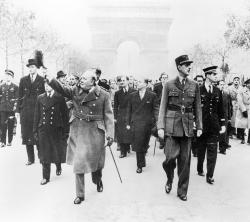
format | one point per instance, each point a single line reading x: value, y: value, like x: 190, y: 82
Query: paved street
x: 138, y: 198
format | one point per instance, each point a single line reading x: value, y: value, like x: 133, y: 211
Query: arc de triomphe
x: 144, y: 24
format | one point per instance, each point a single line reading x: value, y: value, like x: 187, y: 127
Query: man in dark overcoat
x: 228, y: 112
x: 8, y: 104
x: 213, y: 121
x: 50, y: 122
x: 120, y: 110
x: 91, y: 122
x: 142, y: 113
x: 159, y: 86
x: 30, y: 87
x: 180, y: 107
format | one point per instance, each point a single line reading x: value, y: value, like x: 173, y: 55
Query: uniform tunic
x: 50, y: 123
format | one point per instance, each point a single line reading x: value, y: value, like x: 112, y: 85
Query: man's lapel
x: 178, y: 83
x: 92, y: 95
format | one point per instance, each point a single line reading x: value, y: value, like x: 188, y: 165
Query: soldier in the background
x: 8, y: 104
x: 100, y: 82
x: 234, y: 89
x: 30, y: 87
x: 228, y: 112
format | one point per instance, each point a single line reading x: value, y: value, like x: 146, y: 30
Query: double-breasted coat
x: 142, y: 115
x: 176, y: 100
x: 8, y: 97
x: 91, y: 119
x: 28, y: 93
x: 243, y: 99
x: 120, y: 110
x: 50, y: 125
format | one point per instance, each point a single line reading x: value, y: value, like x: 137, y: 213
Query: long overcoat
x: 120, y: 110
x: 142, y: 115
x: 50, y: 124
x: 8, y: 97
x: 28, y: 93
x: 243, y: 99
x: 233, y: 91
x: 92, y: 118
x: 174, y: 97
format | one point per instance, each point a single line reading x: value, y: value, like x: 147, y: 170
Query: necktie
x: 183, y: 83
x: 32, y: 78
x: 210, y: 89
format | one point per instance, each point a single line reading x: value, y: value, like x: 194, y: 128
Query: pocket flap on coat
x: 100, y: 125
x: 170, y: 114
x: 173, y: 93
x: 191, y: 94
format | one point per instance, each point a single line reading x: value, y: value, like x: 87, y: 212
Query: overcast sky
x: 194, y: 20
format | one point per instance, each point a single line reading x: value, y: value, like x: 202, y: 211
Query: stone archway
x: 145, y: 24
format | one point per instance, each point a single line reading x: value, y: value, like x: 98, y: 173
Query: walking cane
x: 155, y: 146
x: 115, y: 163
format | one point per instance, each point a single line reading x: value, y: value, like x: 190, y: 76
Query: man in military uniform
x: 180, y: 107
x: 30, y: 87
x: 213, y: 123
x: 91, y: 122
x: 8, y: 104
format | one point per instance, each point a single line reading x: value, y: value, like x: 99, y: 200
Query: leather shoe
x: 122, y: 156
x: 201, y: 174
x: 99, y: 186
x: 78, y: 200
x: 210, y: 180
x: 168, y: 187
x: 183, y: 197
x: 242, y: 142
x: 139, y: 170
x: 3, y: 145
x: 58, y: 172
x: 44, y: 181
x: 222, y: 152
x: 9, y: 144
x: 29, y: 163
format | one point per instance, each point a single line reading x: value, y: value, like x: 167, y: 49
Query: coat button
x: 90, y: 112
x: 81, y: 111
x: 43, y: 123
x: 81, y: 119
x: 51, y: 123
x: 93, y: 104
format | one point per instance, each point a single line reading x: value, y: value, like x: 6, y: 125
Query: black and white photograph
x: 124, y: 110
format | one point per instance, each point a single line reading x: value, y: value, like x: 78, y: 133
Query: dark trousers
x: 7, y: 123
x: 224, y: 140
x: 30, y: 153
x: 46, y: 169
x: 240, y: 133
x: 140, y: 159
x: 178, y: 148
x: 80, y: 185
x: 124, y: 147
x: 207, y: 144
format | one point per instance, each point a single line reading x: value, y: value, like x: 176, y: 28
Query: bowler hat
x: 9, y: 72
x: 32, y: 62
x: 60, y: 74
x: 183, y: 59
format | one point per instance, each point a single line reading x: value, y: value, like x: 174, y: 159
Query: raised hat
x: 183, y: 59
x: 9, y: 72
x: 247, y: 81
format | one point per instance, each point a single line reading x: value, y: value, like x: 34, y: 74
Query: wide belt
x: 88, y: 117
x: 182, y: 108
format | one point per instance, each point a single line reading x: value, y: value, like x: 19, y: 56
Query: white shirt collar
x: 207, y: 86
x: 34, y: 76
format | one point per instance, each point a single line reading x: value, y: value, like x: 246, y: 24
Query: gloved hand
x: 245, y: 115
x: 110, y: 141
x: 35, y: 136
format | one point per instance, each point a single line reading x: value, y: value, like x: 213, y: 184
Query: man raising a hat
x: 30, y: 87
x: 180, y: 107
x: 213, y: 121
x: 8, y: 104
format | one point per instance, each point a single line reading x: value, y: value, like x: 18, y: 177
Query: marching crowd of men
x: 72, y: 119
